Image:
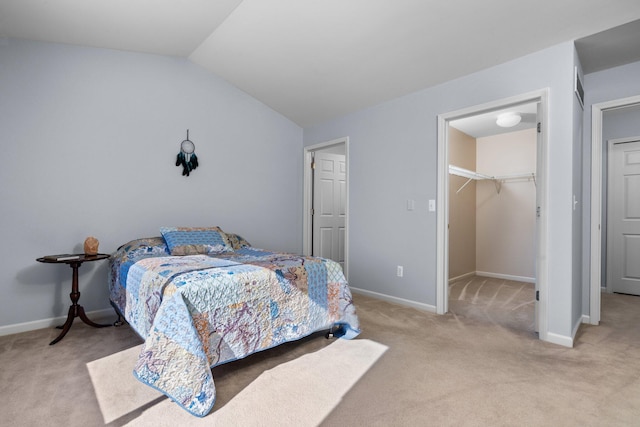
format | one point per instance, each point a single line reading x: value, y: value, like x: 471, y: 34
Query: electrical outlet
x: 400, y: 271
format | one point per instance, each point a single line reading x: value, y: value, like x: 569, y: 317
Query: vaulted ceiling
x: 315, y: 60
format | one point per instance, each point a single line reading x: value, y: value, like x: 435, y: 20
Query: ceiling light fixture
x: 507, y: 120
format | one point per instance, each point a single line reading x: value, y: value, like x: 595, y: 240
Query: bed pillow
x: 143, y: 248
x: 195, y: 240
x: 237, y: 241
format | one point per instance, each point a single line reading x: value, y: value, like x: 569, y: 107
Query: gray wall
x: 393, y: 158
x: 89, y: 141
x: 621, y: 123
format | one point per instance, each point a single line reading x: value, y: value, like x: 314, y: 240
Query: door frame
x: 307, y: 199
x: 597, y: 112
x: 442, y: 211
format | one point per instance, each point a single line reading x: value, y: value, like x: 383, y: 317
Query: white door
x: 329, y: 206
x: 623, y: 217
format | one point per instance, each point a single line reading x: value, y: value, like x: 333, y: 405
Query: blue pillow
x: 195, y: 240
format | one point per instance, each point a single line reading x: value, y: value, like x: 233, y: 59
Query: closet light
x: 507, y: 120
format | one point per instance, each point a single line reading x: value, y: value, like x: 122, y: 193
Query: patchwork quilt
x: 198, y: 311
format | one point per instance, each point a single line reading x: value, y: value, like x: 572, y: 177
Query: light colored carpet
x: 117, y: 390
x: 301, y: 392
x: 479, y: 365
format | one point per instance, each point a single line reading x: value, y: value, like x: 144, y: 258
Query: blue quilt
x: 199, y: 311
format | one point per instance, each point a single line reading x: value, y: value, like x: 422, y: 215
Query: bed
x: 200, y: 297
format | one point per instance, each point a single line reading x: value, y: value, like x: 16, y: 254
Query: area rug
x: 301, y: 392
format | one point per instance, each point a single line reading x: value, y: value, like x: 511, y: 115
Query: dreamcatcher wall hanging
x: 187, y: 156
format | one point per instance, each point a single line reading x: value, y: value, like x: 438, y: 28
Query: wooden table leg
x: 65, y: 328
x: 86, y: 320
x: 76, y: 310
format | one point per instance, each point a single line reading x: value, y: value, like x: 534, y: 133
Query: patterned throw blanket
x: 195, y: 312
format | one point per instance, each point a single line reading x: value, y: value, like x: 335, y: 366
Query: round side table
x: 76, y: 310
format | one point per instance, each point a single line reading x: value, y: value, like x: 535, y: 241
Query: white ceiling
x: 315, y: 60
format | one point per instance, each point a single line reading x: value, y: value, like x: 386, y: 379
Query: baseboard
x: 576, y: 327
x: 550, y: 336
x: 506, y: 277
x: 494, y: 276
x: 564, y: 340
x: 462, y: 276
x: 49, y: 323
x: 396, y: 300
x: 559, y: 339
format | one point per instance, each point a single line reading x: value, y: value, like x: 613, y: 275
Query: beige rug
x: 298, y: 393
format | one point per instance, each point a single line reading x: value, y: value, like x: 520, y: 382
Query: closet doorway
x: 326, y: 201
x: 491, y: 227
x: 492, y: 222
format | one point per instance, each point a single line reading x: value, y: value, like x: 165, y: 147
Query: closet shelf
x: 497, y: 180
x: 466, y: 173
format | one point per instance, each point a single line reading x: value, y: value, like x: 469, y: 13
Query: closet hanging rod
x: 519, y: 177
x: 466, y: 173
x: 516, y: 176
x: 497, y: 180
